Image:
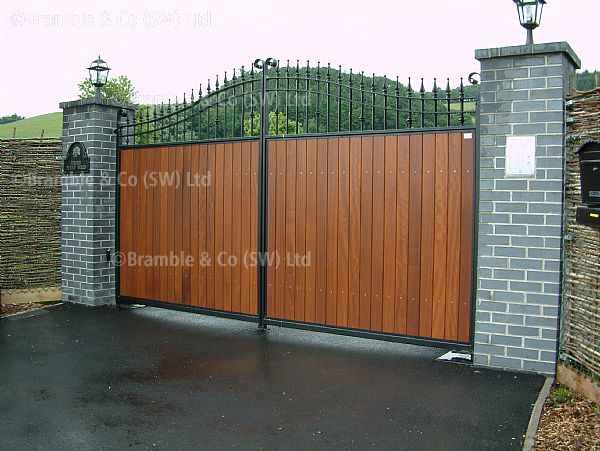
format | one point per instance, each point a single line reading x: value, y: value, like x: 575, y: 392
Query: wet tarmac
x: 81, y: 378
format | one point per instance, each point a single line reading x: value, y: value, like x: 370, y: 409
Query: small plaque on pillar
x: 520, y: 156
x: 77, y: 161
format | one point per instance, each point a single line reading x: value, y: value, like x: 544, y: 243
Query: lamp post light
x: 99, y: 74
x: 530, y: 16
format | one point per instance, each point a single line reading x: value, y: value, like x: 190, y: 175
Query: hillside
x: 32, y: 127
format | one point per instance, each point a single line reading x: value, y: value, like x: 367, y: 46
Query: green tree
x: 11, y: 118
x: 119, y: 89
x: 278, y: 125
x: 586, y: 80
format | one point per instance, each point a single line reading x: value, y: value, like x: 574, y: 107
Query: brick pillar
x: 520, y: 225
x: 88, y: 203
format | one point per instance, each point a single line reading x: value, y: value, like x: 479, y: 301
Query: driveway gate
x: 304, y: 197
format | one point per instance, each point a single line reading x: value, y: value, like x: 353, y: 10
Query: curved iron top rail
x: 300, y: 100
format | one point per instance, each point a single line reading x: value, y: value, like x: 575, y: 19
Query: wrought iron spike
x: 385, y: 84
x: 169, y: 106
x: 297, y: 68
x: 192, y: 98
x: 243, y: 73
x: 328, y: 71
x: 287, y: 69
x: 397, y: 89
x: 448, y: 90
x: 362, y: 80
x: 422, y: 88
x: 340, y: 73
x: 409, y: 89
x: 162, y: 108
x: 184, y: 100
x: 176, y: 103
x: 350, y: 80
x: 318, y: 77
x: 435, y: 87
x: 217, y: 83
x: 373, y: 83
x: 208, y: 87
x: 225, y: 79
x: 199, y: 91
x: 234, y: 77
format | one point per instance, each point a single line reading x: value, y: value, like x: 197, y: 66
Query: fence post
x: 523, y: 90
x: 88, y: 203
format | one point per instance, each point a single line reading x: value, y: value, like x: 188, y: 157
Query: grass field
x: 32, y: 127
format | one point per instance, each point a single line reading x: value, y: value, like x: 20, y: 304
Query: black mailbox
x: 589, y: 167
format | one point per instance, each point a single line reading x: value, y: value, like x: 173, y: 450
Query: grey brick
x: 540, y: 321
x: 531, y: 105
x: 508, y: 319
x: 491, y: 350
x: 542, y: 345
x: 542, y: 299
x: 543, y: 276
x: 539, y: 367
x: 506, y: 340
x: 525, y: 309
x: 523, y: 353
x: 511, y: 207
x: 547, y: 116
x: 532, y: 219
x: 504, y: 296
x: 505, y: 362
x: 511, y: 251
x: 546, y: 71
x: 490, y: 328
x: 529, y: 129
x: 482, y: 338
x: 526, y: 286
x: 527, y: 241
x: 517, y: 263
x: 525, y: 331
x: 530, y: 83
x: 509, y: 274
x: 511, y: 185
x: 488, y: 306
x: 550, y: 334
x: 548, y: 356
x: 480, y: 359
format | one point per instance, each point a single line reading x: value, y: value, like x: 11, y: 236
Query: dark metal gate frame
x: 135, y: 131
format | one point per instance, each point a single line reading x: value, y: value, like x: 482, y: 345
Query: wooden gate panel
x: 198, y: 202
x: 386, y: 223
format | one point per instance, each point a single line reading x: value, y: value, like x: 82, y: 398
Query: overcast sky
x: 168, y: 47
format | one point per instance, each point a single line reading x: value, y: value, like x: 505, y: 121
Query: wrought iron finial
x: 217, y: 83
x: 472, y: 78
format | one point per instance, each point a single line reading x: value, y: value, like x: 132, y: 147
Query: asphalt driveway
x: 80, y: 378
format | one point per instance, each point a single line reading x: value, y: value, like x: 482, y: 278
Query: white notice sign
x: 520, y: 156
